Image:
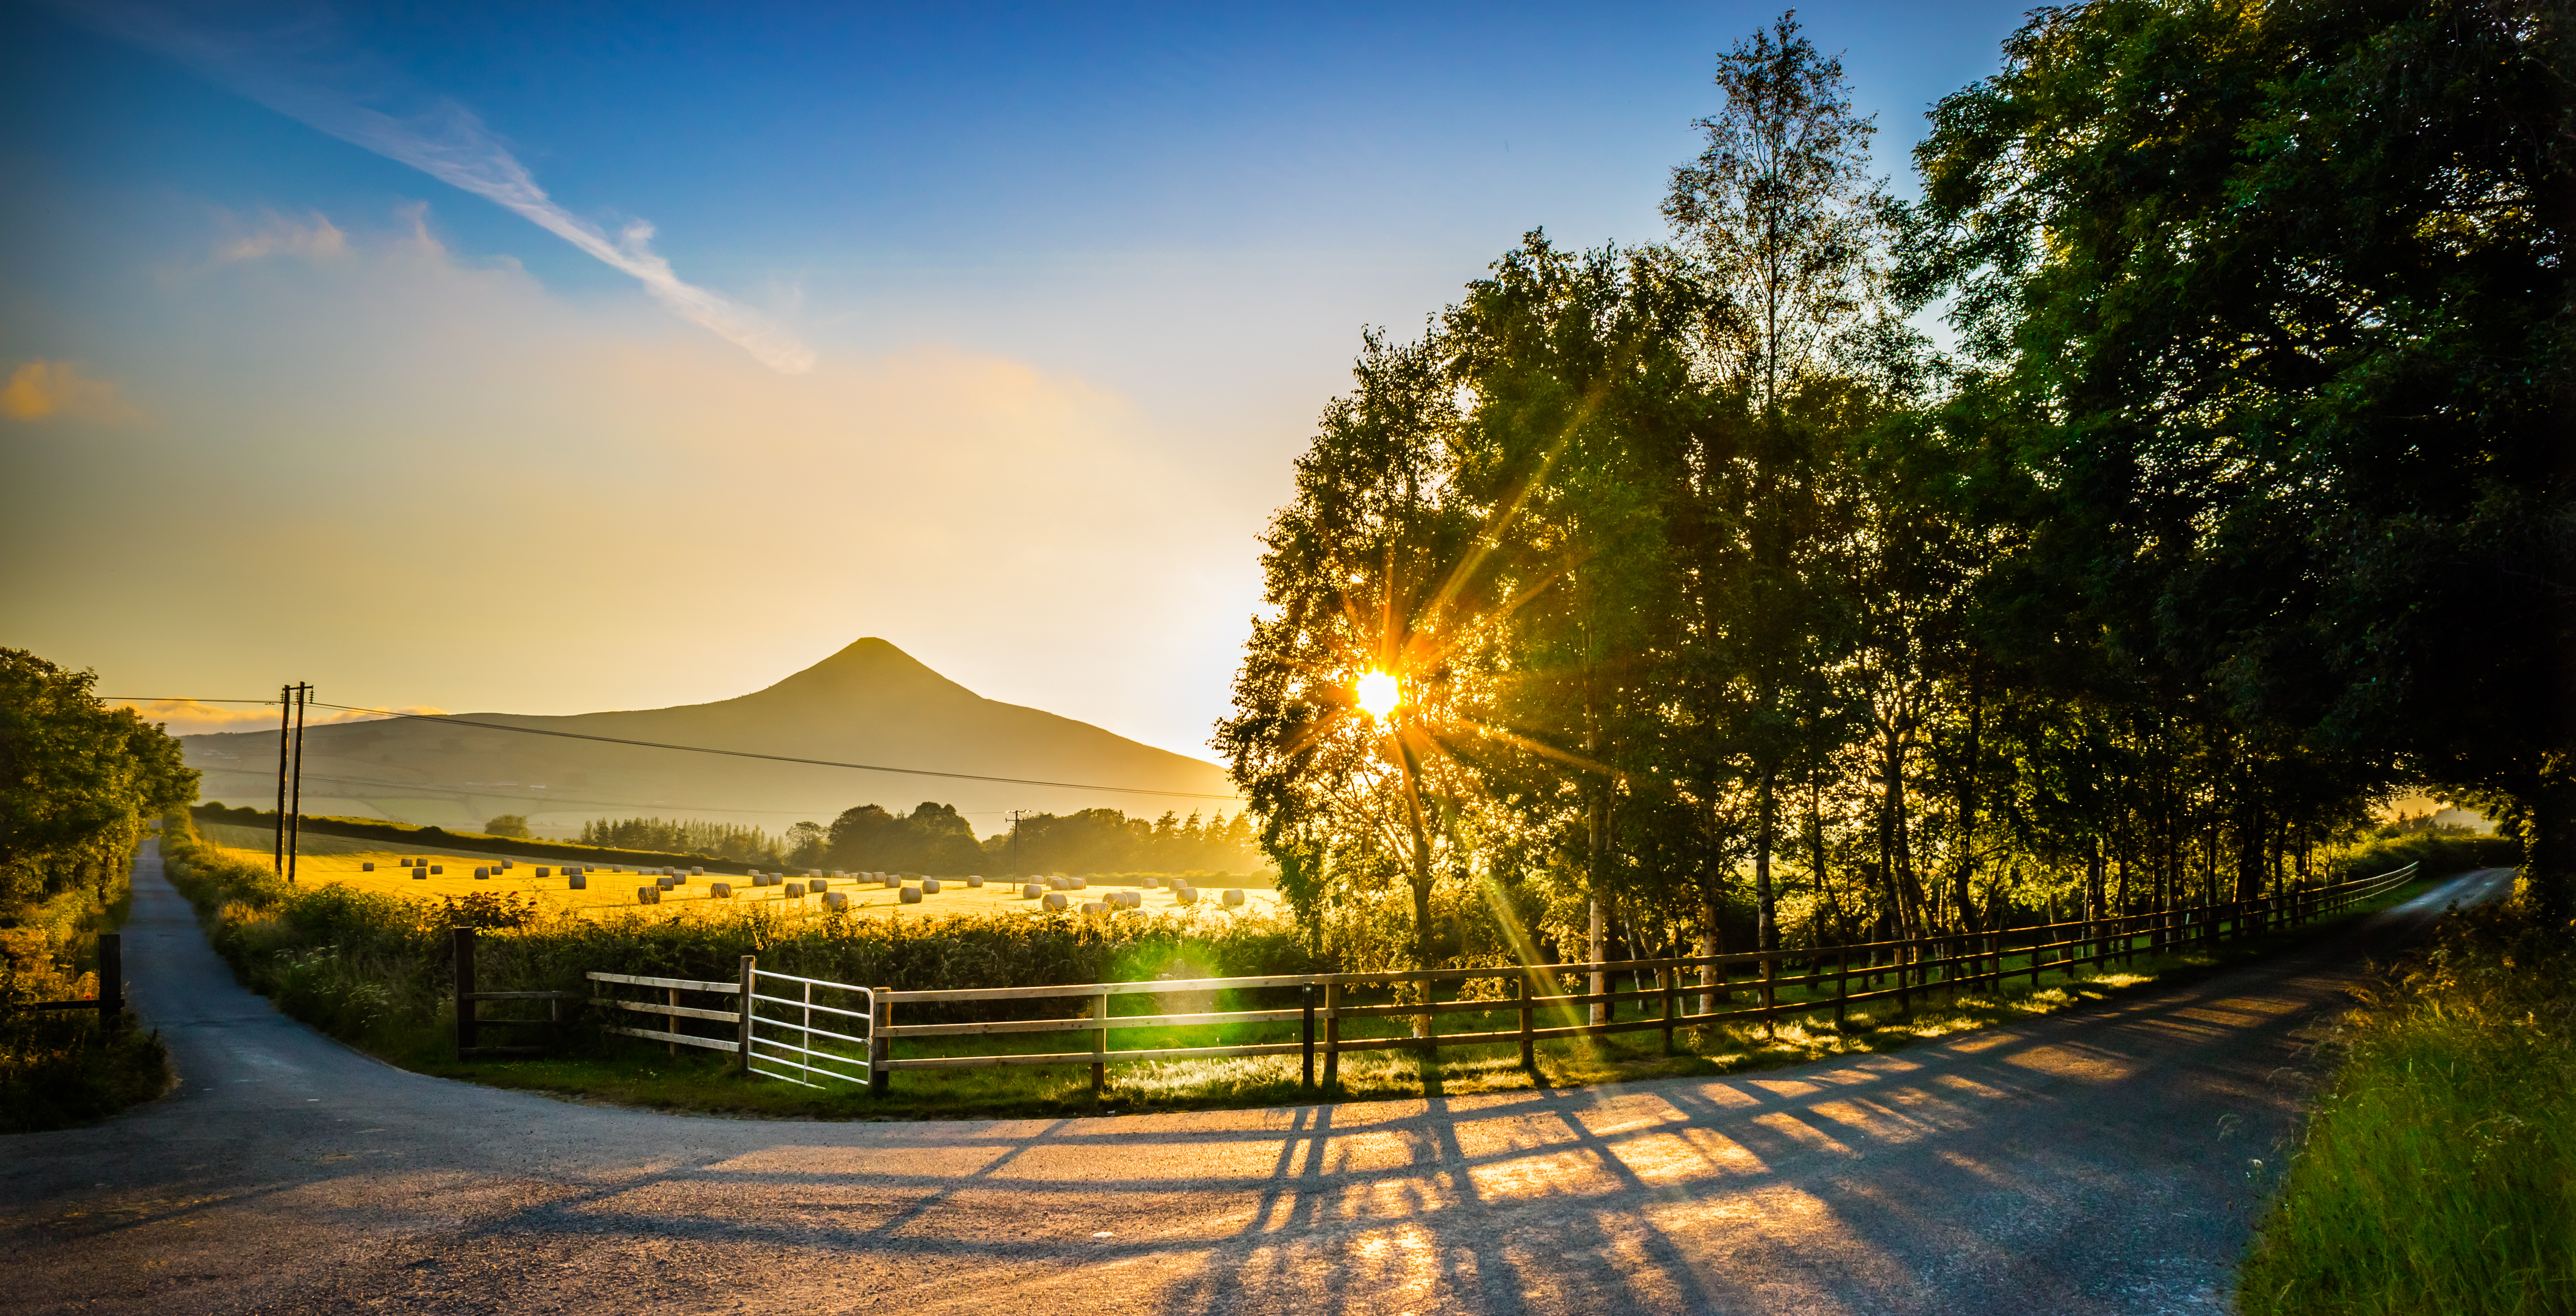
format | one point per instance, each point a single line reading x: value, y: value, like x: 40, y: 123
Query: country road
x: 2098, y: 1161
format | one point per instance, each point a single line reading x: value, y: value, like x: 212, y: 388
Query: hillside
x: 869, y: 703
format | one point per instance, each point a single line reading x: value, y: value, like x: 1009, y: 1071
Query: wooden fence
x: 1674, y: 993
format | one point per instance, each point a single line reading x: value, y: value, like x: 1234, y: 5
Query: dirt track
x: 2099, y: 1161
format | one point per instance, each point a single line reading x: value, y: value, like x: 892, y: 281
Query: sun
x: 1379, y: 694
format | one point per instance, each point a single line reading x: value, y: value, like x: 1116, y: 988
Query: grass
x: 332, y: 860
x: 2438, y: 1175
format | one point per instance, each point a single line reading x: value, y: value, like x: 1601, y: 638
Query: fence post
x: 1670, y: 976
x: 742, y: 1023
x: 1529, y: 1040
x: 1306, y: 1077
x: 1842, y: 986
x: 1332, y: 1034
x: 880, y: 1078
x: 111, y: 980
x: 1100, y: 1045
x: 462, y: 940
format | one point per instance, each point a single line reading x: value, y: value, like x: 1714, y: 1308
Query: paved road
x: 2092, y: 1162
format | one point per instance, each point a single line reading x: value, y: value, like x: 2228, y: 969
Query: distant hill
x: 869, y: 703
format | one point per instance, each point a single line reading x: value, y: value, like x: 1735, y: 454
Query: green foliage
x: 508, y: 824
x: 78, y: 782
x: 2272, y: 302
x: 2439, y: 1173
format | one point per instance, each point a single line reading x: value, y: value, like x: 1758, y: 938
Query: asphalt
x: 2109, y: 1159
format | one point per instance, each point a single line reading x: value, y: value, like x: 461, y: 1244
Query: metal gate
x: 786, y: 1029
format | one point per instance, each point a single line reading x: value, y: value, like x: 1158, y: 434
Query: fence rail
x: 780, y: 1029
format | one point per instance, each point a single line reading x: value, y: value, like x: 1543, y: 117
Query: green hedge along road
x: 2108, y: 1159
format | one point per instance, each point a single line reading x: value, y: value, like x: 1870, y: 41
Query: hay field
x: 614, y: 888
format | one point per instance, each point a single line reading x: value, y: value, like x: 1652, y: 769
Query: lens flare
x: 1379, y: 694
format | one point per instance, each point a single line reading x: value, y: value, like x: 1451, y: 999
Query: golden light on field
x: 1379, y: 694
x: 613, y: 890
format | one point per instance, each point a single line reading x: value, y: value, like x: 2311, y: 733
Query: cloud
x: 278, y: 236
x: 41, y: 389
x: 189, y: 717
x: 449, y: 143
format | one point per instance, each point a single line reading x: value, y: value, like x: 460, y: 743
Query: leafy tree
x: 508, y: 824
x: 1781, y: 221
x: 79, y: 781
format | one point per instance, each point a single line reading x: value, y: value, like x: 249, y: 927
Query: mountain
x: 870, y: 703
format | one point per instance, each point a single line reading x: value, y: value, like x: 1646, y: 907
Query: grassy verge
x: 60, y: 1068
x: 2439, y: 1173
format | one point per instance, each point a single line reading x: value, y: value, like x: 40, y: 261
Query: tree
x: 78, y: 781
x: 1782, y: 224
x: 2284, y: 293
x: 508, y: 824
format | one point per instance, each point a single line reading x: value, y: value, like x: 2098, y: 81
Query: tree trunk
x: 1766, y: 931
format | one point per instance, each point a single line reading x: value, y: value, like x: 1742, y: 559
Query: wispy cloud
x: 279, y: 236
x: 445, y: 141
x: 40, y: 390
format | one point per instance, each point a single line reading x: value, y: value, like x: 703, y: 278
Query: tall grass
x: 2439, y: 1173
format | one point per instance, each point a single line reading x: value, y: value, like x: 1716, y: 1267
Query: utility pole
x: 285, y: 716
x: 295, y: 833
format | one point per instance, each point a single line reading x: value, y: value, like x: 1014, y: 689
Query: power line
x: 728, y: 753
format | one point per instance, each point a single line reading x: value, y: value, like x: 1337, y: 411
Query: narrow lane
x: 2099, y: 1161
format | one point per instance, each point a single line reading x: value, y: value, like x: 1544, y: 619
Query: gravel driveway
x: 2102, y: 1160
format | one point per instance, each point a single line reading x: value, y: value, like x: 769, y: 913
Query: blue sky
x: 1074, y: 282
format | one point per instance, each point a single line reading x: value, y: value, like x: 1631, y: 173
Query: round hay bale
x: 1185, y: 895
x: 911, y: 895
x: 836, y: 900
x: 974, y: 881
x: 1054, y: 900
x: 794, y: 889
x: 719, y: 890
x: 930, y: 886
x: 578, y: 882
x: 420, y: 874
x: 438, y: 868
x: 648, y: 895
x: 1095, y: 910
x: 366, y: 868
x: 1032, y: 890
x: 1234, y: 896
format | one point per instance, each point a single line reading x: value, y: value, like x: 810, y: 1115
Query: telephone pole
x: 285, y: 716
x: 295, y: 833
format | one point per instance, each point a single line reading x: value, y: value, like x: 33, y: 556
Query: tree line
x: 935, y: 838
x: 1720, y: 600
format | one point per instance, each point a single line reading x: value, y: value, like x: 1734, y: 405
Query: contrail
x: 450, y: 144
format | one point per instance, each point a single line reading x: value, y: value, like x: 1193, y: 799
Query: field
x: 341, y: 860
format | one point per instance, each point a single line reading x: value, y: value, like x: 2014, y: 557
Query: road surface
x: 2102, y: 1160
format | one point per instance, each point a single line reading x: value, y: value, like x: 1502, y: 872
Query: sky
x: 548, y: 359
